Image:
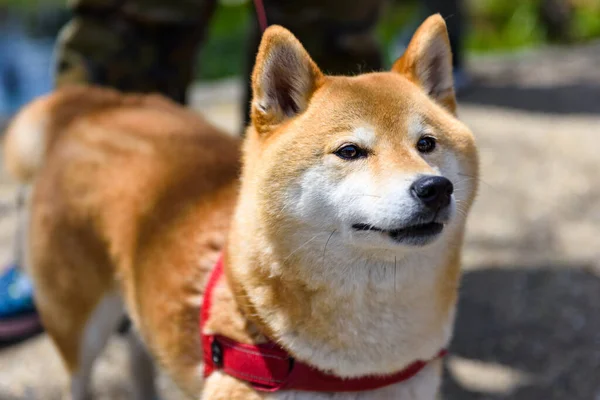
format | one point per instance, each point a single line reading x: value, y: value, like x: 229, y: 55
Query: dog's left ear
x: 427, y: 62
x: 283, y: 81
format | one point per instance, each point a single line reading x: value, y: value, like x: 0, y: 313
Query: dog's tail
x: 34, y: 130
x: 26, y: 140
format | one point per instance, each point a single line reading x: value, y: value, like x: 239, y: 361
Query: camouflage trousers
x: 150, y: 45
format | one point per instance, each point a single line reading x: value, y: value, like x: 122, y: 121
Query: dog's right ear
x: 283, y: 81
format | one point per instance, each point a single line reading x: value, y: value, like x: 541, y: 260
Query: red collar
x: 269, y: 368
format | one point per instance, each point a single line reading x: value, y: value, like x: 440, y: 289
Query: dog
x: 336, y: 227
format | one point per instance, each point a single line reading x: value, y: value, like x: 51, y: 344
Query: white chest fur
x: 386, y: 314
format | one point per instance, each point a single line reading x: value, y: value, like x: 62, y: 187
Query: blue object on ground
x: 18, y: 316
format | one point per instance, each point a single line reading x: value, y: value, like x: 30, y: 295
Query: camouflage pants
x: 150, y: 45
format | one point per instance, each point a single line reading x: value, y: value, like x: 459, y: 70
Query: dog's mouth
x: 418, y: 234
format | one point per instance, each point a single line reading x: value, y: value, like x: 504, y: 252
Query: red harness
x: 269, y: 368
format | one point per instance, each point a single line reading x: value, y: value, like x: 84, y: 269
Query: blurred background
x: 28, y: 29
x: 528, y: 325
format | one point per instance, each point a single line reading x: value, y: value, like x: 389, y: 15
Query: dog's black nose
x: 433, y: 191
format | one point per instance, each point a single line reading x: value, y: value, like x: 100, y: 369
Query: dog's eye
x: 350, y: 152
x: 426, y: 144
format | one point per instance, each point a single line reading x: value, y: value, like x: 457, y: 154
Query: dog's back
x: 344, y: 179
x: 136, y: 192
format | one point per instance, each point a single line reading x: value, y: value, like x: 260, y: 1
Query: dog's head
x: 379, y: 159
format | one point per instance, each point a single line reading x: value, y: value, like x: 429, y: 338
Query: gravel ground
x: 528, y: 325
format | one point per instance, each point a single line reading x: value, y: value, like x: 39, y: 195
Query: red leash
x: 261, y: 13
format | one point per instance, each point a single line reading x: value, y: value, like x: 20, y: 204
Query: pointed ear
x: 284, y: 79
x: 427, y: 62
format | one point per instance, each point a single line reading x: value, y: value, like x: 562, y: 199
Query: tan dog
x: 343, y: 245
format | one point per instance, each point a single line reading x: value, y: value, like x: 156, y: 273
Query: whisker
x: 395, y: 266
x: 286, y: 205
x: 326, y: 243
x: 461, y: 211
x: 304, y: 244
x: 480, y: 179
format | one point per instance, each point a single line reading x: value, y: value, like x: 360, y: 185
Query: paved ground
x: 528, y: 325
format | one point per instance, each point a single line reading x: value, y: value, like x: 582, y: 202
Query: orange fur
x: 135, y: 195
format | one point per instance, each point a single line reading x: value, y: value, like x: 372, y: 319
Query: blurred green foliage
x: 224, y: 52
x: 586, y: 20
x: 493, y: 25
x: 30, y: 4
x: 514, y: 24
x: 503, y: 25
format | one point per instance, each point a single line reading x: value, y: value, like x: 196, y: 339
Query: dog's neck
x: 341, y: 311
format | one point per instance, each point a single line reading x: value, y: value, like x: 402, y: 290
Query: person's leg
x: 338, y: 34
x: 27, y: 76
x: 133, y: 45
x: 18, y: 316
x: 452, y: 12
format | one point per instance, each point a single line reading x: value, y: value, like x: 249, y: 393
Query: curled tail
x: 26, y: 140
x: 36, y: 127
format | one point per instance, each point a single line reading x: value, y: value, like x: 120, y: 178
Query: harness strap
x: 269, y: 368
